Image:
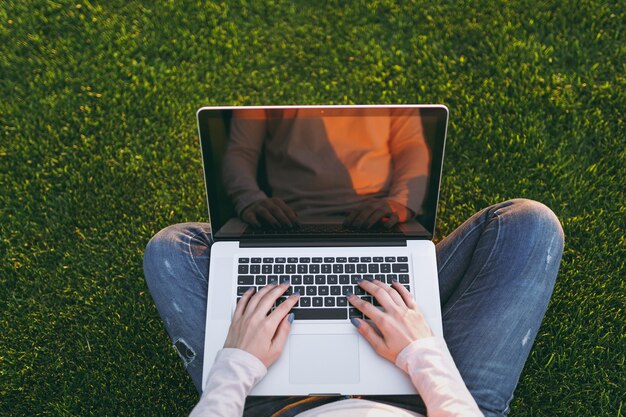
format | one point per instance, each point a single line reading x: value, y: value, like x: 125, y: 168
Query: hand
x: 272, y: 211
x: 256, y: 332
x: 387, y: 212
x: 400, y: 324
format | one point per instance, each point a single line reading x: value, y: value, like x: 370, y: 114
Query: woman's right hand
x: 401, y: 323
x: 270, y: 211
x: 254, y: 330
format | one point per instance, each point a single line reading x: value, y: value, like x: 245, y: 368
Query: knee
x: 164, y: 246
x: 537, y: 220
x: 535, y: 228
x: 162, y: 243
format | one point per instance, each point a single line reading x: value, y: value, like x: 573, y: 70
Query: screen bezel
x: 428, y: 220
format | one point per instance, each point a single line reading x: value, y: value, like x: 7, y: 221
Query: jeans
x: 496, y: 275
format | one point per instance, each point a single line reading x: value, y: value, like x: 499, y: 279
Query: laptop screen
x: 344, y: 172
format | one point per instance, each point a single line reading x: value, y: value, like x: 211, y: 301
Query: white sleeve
x: 437, y: 379
x: 234, y: 373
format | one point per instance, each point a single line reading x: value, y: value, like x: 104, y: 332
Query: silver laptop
x: 354, y: 192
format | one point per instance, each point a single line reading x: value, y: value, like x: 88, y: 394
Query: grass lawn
x: 99, y: 151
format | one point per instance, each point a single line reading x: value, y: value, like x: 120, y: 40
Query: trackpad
x: 324, y: 359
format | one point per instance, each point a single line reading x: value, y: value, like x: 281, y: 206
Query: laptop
x: 354, y: 192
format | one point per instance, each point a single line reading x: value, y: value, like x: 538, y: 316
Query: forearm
x: 234, y: 373
x: 437, y: 379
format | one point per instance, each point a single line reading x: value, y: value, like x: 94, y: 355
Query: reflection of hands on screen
x: 269, y: 212
x: 378, y: 211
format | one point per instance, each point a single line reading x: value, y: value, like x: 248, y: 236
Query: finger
x: 282, y: 310
x: 243, y: 302
x: 267, y: 215
x: 249, y: 217
x: 395, y: 296
x: 366, y: 308
x: 278, y: 212
x: 392, y: 220
x: 375, y: 217
x: 367, y: 331
x: 360, y: 220
x: 381, y: 294
x: 268, y: 300
x: 407, y: 297
x: 280, y: 337
x: 254, y: 301
x: 350, y: 217
x: 293, y: 217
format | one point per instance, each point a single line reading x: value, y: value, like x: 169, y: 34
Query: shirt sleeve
x: 437, y: 379
x: 241, y: 160
x: 233, y: 375
x: 410, y: 159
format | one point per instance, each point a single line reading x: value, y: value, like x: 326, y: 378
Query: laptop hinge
x: 307, y: 243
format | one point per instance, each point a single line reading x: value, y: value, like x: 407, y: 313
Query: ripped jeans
x: 496, y: 275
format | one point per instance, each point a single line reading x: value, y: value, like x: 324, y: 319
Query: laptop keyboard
x: 322, y: 281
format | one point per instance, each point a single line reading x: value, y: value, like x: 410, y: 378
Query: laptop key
x: 318, y: 301
x: 268, y: 260
x: 296, y: 279
x: 305, y: 301
x: 320, y: 313
x: 400, y: 268
x: 242, y: 269
x: 344, y: 279
x: 267, y: 269
x: 353, y: 312
x: 242, y: 290
x: 342, y: 302
x: 341, y: 259
x: 329, y: 301
x: 261, y: 280
x: 292, y: 260
x: 404, y: 278
x: 272, y: 279
x: 244, y: 260
x: 245, y: 280
x: 255, y: 260
x: 403, y: 259
x: 308, y: 280
x: 335, y: 290
x: 353, y: 259
x: 323, y: 290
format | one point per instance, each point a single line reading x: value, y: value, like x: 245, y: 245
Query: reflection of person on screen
x: 372, y: 169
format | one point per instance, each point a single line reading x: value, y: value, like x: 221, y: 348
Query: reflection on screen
x: 368, y: 168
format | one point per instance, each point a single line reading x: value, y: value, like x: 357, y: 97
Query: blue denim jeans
x: 496, y: 275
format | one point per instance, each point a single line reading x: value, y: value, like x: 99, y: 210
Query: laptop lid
x: 324, y: 163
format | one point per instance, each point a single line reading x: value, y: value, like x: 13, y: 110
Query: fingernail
x: 394, y: 280
x: 250, y: 289
x: 355, y: 322
x: 370, y: 279
x: 348, y: 293
x: 290, y: 317
x: 284, y: 281
x: 359, y: 280
x: 297, y: 293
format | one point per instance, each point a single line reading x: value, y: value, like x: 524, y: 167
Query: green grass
x: 99, y: 151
